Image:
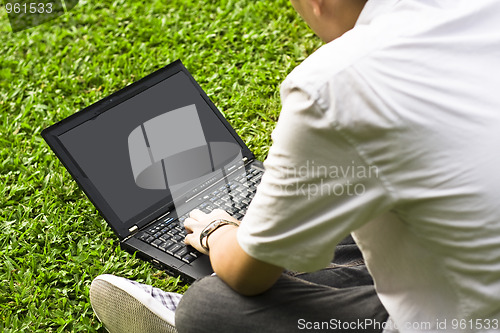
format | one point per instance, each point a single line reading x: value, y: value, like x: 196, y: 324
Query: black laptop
x: 149, y: 154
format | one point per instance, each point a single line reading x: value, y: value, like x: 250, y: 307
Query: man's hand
x: 243, y: 273
x: 198, y: 220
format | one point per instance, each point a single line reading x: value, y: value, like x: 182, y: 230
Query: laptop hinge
x: 246, y: 160
x: 133, y: 230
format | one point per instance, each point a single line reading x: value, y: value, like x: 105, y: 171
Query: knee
x: 194, y: 312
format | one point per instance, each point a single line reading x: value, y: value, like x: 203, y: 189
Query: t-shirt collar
x: 374, y: 8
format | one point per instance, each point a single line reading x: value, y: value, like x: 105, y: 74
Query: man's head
x: 329, y: 19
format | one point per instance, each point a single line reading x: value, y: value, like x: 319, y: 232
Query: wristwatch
x: 210, y: 228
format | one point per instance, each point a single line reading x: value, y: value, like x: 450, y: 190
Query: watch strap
x: 210, y: 228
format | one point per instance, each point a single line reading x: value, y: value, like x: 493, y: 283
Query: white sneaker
x: 126, y: 306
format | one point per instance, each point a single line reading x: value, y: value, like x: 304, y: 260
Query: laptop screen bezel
x: 51, y: 136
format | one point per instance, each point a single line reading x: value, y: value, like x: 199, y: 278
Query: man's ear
x: 317, y: 7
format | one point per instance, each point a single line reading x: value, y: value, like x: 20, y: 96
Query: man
x: 389, y: 131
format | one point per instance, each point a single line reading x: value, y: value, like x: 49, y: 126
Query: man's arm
x: 243, y: 273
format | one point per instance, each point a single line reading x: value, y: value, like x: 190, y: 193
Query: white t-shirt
x: 393, y: 131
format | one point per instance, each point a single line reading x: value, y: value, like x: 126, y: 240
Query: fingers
x: 194, y: 241
x: 196, y: 214
x: 200, y: 216
x: 188, y: 225
x: 197, y: 221
x: 189, y: 239
x: 192, y: 222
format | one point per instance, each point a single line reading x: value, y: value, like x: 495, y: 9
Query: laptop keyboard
x: 233, y: 197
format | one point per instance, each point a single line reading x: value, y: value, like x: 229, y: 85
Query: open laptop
x: 149, y: 154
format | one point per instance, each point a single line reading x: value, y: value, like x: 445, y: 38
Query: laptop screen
x: 141, y: 153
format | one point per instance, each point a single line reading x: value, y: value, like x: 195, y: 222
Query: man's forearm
x: 244, y: 274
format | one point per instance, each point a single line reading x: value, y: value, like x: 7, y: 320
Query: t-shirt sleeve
x: 316, y: 189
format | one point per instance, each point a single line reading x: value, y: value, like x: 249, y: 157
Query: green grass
x: 52, y: 240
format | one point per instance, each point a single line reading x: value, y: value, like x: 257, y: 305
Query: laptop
x: 150, y: 153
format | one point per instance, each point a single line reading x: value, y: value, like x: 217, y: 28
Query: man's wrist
x: 211, y: 228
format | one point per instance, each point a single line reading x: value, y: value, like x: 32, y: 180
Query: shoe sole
x: 123, y: 307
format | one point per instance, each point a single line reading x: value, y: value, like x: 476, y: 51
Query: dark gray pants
x: 340, y: 298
